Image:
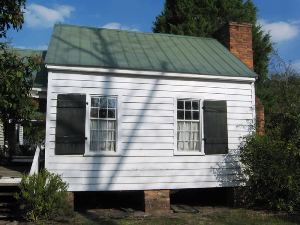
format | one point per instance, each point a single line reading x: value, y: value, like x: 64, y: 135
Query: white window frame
x: 201, y: 128
x: 88, y: 152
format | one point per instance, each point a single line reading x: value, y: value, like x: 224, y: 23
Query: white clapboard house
x: 144, y: 111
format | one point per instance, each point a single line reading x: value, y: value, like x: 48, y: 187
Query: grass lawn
x: 207, y: 216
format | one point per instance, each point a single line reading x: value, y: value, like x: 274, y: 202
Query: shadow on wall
x: 232, y: 174
x: 96, y: 172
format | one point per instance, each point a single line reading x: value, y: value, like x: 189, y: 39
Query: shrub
x: 273, y: 168
x: 42, y: 195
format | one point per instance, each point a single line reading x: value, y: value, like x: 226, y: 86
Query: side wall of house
x: 1, y: 135
x: 147, y: 133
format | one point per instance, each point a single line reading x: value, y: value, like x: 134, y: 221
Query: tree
x: 15, y: 74
x: 272, y: 162
x: 11, y: 15
x: 205, y: 17
x: 16, y: 105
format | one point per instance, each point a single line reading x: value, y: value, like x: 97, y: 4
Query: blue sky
x: 280, y: 18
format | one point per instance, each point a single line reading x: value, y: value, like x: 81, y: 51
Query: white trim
x: 87, y: 129
x: 149, y: 73
x: 253, y: 106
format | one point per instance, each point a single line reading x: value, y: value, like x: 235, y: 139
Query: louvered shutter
x: 70, y: 124
x: 215, y: 127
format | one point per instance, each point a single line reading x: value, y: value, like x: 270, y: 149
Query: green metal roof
x: 97, y: 47
x: 40, y: 78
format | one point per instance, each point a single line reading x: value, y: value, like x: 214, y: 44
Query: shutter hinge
x: 87, y: 103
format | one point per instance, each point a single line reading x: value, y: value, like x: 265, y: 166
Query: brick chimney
x: 237, y: 37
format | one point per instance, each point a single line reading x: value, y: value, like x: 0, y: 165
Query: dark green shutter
x: 70, y: 124
x: 215, y: 127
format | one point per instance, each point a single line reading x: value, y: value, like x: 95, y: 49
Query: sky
x: 280, y: 18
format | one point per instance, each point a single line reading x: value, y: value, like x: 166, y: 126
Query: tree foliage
x: 16, y: 83
x: 11, y: 15
x: 16, y: 105
x: 205, y: 17
x: 272, y: 162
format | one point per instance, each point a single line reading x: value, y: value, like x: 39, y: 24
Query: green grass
x: 207, y: 216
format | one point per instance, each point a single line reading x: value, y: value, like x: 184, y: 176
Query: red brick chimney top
x: 237, y: 37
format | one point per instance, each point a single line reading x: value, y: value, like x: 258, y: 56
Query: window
x: 188, y: 125
x: 103, y: 124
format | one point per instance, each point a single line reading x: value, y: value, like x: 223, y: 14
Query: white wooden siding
x: 1, y: 135
x: 145, y: 158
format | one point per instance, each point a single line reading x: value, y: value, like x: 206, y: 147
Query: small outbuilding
x: 146, y: 111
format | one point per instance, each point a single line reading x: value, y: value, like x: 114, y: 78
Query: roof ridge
x: 136, y: 32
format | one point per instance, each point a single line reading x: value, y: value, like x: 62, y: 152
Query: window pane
x: 110, y: 136
x: 102, y: 135
x: 110, y: 146
x: 103, y: 113
x: 102, y: 146
x: 94, y: 135
x: 180, y: 146
x: 93, y: 146
x: 180, y: 114
x: 188, y: 105
x: 186, y: 145
x: 187, y: 126
x: 112, y: 103
x: 194, y: 126
x: 196, y: 145
x: 94, y: 113
x: 111, y: 113
x: 195, y: 105
x: 111, y: 124
x: 188, y: 115
x: 102, y: 124
x: 183, y: 136
x: 194, y: 136
x: 180, y: 105
x: 95, y: 102
x: 195, y: 115
x: 103, y: 102
x: 94, y: 124
x: 180, y: 125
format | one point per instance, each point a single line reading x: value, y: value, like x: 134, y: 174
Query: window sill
x: 188, y: 153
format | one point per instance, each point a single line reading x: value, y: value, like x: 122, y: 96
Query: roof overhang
x: 148, y: 73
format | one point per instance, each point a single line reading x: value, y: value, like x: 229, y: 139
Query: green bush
x: 42, y: 196
x: 273, y: 168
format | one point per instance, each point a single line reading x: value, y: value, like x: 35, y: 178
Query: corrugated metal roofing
x: 40, y: 78
x: 118, y: 49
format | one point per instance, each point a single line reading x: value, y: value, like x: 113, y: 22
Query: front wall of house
x: 147, y: 136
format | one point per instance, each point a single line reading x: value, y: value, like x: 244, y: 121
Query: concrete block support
x: 157, y: 202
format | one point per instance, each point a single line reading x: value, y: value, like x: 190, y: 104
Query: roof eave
x: 52, y: 67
